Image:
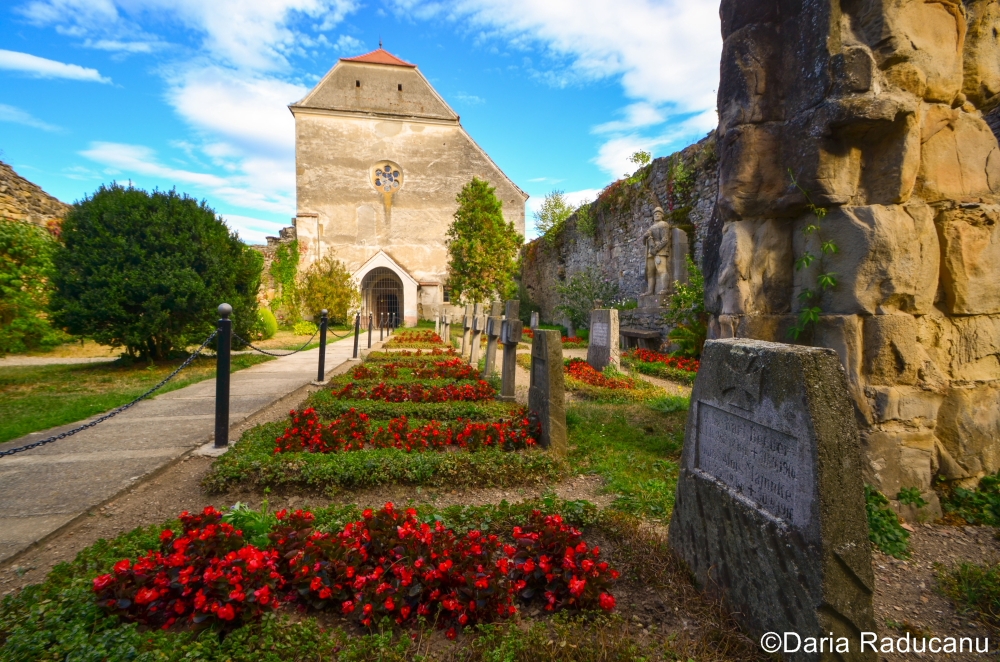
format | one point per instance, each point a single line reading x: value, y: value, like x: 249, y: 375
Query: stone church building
x: 379, y: 160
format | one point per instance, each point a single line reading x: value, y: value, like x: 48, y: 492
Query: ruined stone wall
x: 23, y: 201
x: 876, y: 107
x: 623, y: 213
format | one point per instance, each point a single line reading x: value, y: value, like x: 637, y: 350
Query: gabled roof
x: 379, y: 56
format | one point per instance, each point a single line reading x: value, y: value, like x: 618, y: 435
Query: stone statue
x: 658, y: 244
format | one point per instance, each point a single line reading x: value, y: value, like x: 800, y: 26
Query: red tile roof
x: 379, y: 56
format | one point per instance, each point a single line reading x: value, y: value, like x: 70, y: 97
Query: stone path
x: 47, y: 488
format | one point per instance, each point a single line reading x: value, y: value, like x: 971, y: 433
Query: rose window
x: 387, y: 177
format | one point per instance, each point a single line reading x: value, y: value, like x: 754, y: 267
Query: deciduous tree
x: 328, y: 284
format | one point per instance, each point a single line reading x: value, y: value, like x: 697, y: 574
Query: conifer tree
x: 482, y: 246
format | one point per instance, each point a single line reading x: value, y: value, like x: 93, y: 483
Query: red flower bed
x: 580, y: 369
x: 351, y: 432
x: 450, y: 369
x: 206, y: 574
x: 386, y: 564
x: 418, y: 392
x: 676, y: 362
x: 450, y: 351
x: 528, y: 333
x: 572, y: 339
x: 407, y: 337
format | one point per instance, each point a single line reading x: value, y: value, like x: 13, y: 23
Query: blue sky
x: 193, y: 94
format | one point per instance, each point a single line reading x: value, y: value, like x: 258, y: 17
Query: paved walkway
x: 44, y: 489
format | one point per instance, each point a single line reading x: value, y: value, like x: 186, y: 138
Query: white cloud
x: 136, y: 159
x: 40, y: 67
x: 637, y: 115
x: 469, y: 99
x: 253, y: 230
x: 18, y: 116
x: 116, y: 46
x: 348, y: 44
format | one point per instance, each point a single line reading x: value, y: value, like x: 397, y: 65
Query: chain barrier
x: 113, y: 412
x: 294, y: 351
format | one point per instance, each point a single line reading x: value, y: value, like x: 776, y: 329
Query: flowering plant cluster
x: 386, y: 371
x: 418, y: 392
x: 676, y: 362
x: 436, y: 351
x: 206, y: 574
x: 550, y: 561
x: 449, y: 369
x: 351, y: 431
x: 583, y: 371
x: 386, y: 564
x: 572, y: 339
x: 308, y: 434
x: 425, y: 337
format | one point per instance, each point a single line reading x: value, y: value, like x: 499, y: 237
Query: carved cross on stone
x: 493, y: 323
x: 740, y: 379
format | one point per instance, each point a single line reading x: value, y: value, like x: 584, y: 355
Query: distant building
x: 380, y: 158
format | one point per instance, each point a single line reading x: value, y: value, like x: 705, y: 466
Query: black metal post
x: 369, y: 330
x: 357, y: 332
x: 224, y: 329
x: 381, y: 325
x: 323, y: 322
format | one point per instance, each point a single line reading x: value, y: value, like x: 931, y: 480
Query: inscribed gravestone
x: 547, y: 393
x: 510, y: 336
x: 602, y: 349
x: 478, y: 326
x: 770, y: 511
x: 493, y: 324
x: 534, y: 320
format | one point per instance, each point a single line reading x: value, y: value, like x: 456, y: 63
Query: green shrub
x: 978, y: 506
x: 147, y: 272
x: 884, y: 529
x: 910, y: 496
x: 584, y: 292
x: 268, y: 323
x: 284, y: 272
x: 974, y: 587
x: 304, y: 328
x: 25, y: 270
x: 328, y: 284
x: 686, y: 312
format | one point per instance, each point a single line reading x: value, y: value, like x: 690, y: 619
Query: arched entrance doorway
x: 382, y: 294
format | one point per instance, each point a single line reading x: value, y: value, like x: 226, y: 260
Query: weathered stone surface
x: 602, y: 348
x: 466, y: 328
x: 493, y: 324
x: 510, y: 336
x: 478, y: 328
x: 770, y: 510
x: 960, y: 161
x: 887, y: 259
x: 981, y: 80
x: 547, y: 392
x: 534, y: 320
x: 969, y: 428
x: 903, y: 459
x: 891, y: 352
x: 20, y: 200
x: 970, y: 243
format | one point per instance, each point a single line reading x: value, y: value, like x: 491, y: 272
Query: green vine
x: 285, y: 270
x: 824, y: 280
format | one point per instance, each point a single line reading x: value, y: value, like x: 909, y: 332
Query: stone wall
x: 876, y: 107
x: 623, y: 213
x: 23, y: 201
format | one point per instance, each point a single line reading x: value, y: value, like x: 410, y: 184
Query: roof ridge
x: 379, y: 56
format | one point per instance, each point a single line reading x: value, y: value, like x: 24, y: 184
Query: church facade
x: 379, y: 160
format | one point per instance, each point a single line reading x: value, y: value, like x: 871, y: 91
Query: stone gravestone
x: 602, y: 350
x: 770, y: 510
x: 493, y: 324
x: 534, y: 320
x: 437, y: 323
x: 478, y: 326
x: 466, y: 328
x: 547, y: 393
x: 446, y: 321
x: 510, y: 336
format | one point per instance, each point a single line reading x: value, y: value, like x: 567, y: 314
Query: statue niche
x: 666, y: 247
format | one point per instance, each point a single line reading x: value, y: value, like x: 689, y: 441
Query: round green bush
x: 304, y: 328
x: 268, y: 323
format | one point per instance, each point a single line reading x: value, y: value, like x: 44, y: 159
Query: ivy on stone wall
x: 284, y: 271
x: 810, y: 312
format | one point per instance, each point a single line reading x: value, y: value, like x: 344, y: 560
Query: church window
x: 387, y: 177
x: 400, y: 87
x: 357, y: 83
x: 446, y: 295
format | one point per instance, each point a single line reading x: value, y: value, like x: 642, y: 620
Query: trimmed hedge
x: 252, y: 463
x: 329, y: 407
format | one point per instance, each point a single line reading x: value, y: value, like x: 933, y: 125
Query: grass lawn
x: 36, y: 398
x: 634, y: 448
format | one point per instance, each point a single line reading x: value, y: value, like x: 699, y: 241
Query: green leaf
x: 804, y: 261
